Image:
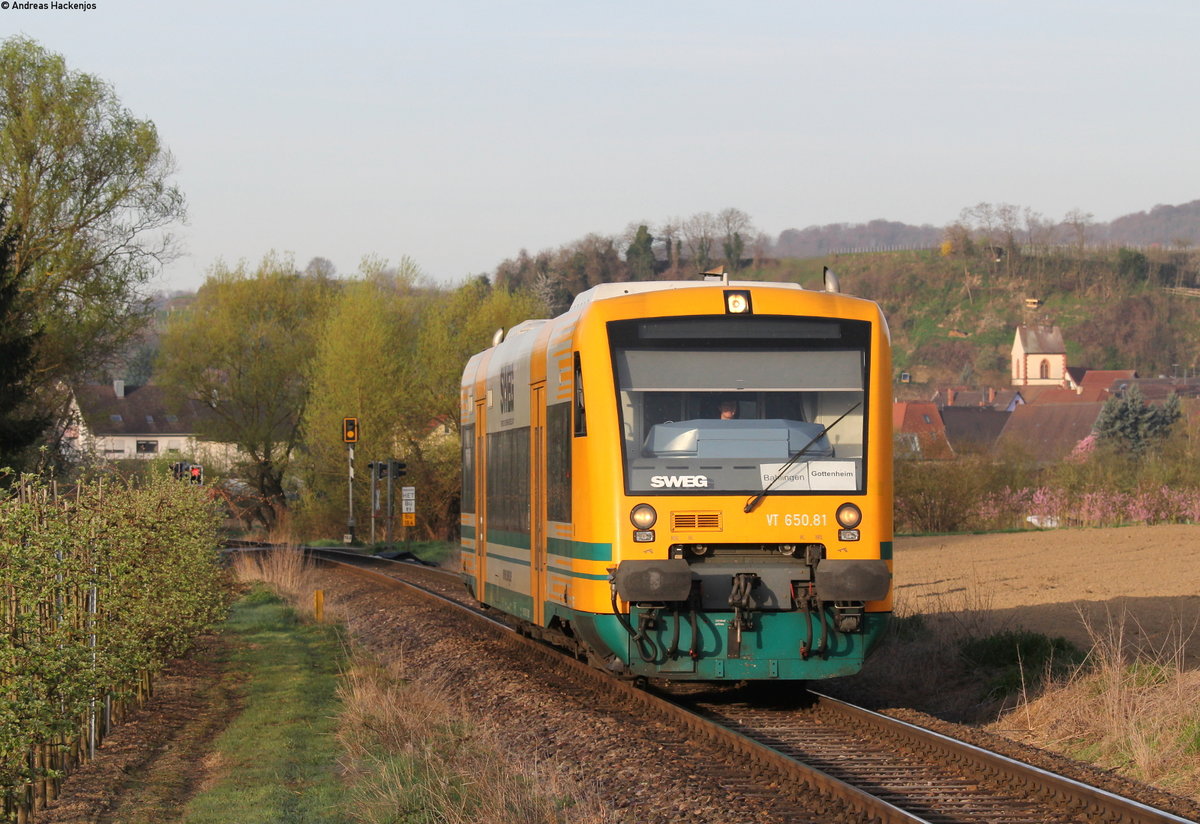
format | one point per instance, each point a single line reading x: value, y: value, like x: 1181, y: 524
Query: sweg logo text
x: 684, y: 481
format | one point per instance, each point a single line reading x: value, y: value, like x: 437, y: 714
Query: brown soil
x: 153, y: 762
x: 1060, y: 582
x: 1055, y: 582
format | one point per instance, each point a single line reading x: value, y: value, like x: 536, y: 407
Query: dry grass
x: 1129, y: 708
x: 412, y: 754
x: 286, y: 570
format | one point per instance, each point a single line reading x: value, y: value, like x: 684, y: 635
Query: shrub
x: 101, y: 588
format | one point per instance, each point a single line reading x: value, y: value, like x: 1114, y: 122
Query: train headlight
x: 737, y: 302
x: 643, y: 516
x: 849, y: 516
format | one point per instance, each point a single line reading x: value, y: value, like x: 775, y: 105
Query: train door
x: 481, y: 499
x: 537, y: 502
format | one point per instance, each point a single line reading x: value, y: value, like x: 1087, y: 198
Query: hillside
x: 1167, y: 226
x: 953, y: 316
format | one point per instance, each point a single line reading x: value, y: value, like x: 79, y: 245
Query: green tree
x: 90, y: 186
x: 734, y: 246
x: 363, y: 366
x: 455, y: 328
x: 20, y: 424
x: 460, y: 324
x: 1132, y: 267
x: 243, y: 349
x: 1132, y: 425
x: 640, y: 255
x: 392, y: 356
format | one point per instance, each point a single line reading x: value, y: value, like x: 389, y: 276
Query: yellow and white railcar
x: 687, y: 480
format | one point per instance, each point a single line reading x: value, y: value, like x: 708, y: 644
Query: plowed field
x: 1060, y: 582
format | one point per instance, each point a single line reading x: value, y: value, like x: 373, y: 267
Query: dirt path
x: 1146, y: 578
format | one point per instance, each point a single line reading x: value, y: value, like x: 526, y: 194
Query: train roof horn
x: 831, y: 281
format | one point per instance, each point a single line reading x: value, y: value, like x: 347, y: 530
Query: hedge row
x: 980, y: 495
x: 97, y: 589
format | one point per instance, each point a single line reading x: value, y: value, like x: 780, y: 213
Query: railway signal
x: 350, y: 437
x: 182, y: 471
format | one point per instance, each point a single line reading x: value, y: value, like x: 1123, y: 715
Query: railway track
x: 849, y: 764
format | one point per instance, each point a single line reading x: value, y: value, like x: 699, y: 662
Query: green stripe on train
x: 580, y: 550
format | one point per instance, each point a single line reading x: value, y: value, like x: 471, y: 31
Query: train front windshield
x: 733, y: 404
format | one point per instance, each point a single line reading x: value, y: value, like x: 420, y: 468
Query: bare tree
x: 320, y: 267
x: 735, y: 227
x: 734, y: 221
x: 760, y: 247
x: 700, y: 235
x: 1078, y: 223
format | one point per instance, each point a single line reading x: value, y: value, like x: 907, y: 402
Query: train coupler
x: 740, y: 599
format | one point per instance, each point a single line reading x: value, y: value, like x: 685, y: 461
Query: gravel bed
x: 648, y: 772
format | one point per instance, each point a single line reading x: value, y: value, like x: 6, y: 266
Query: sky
x: 459, y: 133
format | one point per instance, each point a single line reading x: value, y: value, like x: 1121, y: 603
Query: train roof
x: 604, y: 291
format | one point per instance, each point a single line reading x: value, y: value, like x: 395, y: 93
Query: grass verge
x: 411, y: 753
x: 277, y: 761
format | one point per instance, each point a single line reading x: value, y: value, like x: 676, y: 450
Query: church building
x: 1039, y: 357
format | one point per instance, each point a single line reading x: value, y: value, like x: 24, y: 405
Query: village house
x: 1051, y: 409
x: 117, y: 422
x: 919, y: 432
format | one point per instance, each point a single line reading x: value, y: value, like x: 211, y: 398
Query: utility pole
x: 395, y: 469
x: 390, y: 517
x: 374, y: 496
x: 350, y: 487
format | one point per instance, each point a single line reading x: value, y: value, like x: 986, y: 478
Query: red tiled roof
x: 1049, y: 431
x: 921, y: 418
x: 1103, y: 378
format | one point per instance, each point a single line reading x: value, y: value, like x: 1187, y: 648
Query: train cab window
x: 720, y: 406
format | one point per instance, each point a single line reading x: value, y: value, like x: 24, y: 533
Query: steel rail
x: 1096, y: 798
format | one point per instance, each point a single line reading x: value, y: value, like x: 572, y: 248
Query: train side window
x: 580, y: 407
x: 558, y: 462
x: 468, y: 468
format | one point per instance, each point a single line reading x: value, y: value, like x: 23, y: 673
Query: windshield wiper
x: 753, y: 502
